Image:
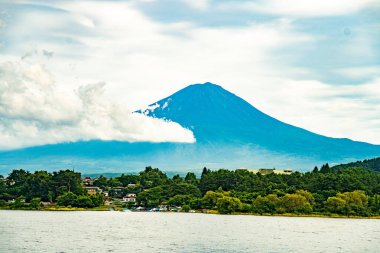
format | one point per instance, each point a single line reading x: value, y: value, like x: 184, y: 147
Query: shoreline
x: 212, y: 212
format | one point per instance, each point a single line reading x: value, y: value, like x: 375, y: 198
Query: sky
x: 75, y: 70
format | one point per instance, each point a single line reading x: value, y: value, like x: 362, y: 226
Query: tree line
x: 344, y: 191
x: 373, y: 164
x: 64, y: 187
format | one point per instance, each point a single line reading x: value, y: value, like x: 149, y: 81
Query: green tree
x: 3, y: 189
x: 183, y: 189
x: 3, y: 203
x: 37, y: 185
x: 190, y: 178
x: 336, y: 205
x: 265, y: 204
x: 128, y: 179
x: 357, y: 202
x: 114, y: 182
x: 152, y: 177
x: 325, y: 168
x: 67, y: 199
x: 35, y: 203
x: 177, y: 178
x: 295, y: 203
x: 350, y: 203
x: 18, y: 177
x: 374, y: 204
x: 210, y: 199
x: 101, y: 182
x: 151, y: 197
x: 97, y: 199
x: 15, y: 182
x: 205, y: 171
x: 180, y: 200
x: 19, y: 202
x: 228, y: 205
x: 67, y: 181
x: 186, y: 208
x: 84, y: 201
x: 308, y: 195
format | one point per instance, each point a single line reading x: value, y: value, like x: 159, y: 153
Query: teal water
x: 38, y: 231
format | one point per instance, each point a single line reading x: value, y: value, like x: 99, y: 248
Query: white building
x: 130, y: 197
x: 91, y: 190
x: 270, y: 171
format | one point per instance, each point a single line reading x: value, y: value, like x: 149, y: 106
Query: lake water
x: 38, y: 231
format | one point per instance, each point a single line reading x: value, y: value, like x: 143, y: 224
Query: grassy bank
x: 313, y: 215
x: 59, y: 208
x: 215, y: 212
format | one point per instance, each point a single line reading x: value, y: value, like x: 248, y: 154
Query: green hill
x: 373, y: 164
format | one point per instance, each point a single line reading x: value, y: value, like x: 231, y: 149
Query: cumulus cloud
x: 34, y: 112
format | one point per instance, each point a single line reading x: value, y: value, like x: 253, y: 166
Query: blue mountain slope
x: 230, y: 133
x: 218, y: 116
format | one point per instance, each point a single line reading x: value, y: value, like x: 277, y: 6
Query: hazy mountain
x: 230, y: 133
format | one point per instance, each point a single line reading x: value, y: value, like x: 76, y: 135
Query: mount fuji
x: 217, y: 116
x: 229, y: 132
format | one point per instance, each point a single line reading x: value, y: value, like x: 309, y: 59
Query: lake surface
x: 38, y: 231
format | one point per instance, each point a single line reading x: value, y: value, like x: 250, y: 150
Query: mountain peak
x: 203, y: 86
x: 216, y: 115
x: 207, y: 105
x: 206, y: 84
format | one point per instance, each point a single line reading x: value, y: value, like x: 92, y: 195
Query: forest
x: 340, y: 190
x: 373, y: 164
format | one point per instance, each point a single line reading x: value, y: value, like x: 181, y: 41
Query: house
x: 283, y: 172
x: 118, y: 192
x: 88, y: 181
x: 130, y: 197
x: 92, y: 190
x: 131, y: 185
x: 270, y: 171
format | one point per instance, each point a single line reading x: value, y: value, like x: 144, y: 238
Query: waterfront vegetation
x: 340, y: 191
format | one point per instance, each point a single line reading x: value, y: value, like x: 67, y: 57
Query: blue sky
x: 313, y: 64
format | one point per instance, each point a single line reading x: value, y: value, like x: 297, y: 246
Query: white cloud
x: 33, y: 112
x: 143, y: 60
x: 198, y: 4
x: 302, y: 8
x: 360, y: 72
x: 338, y: 111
